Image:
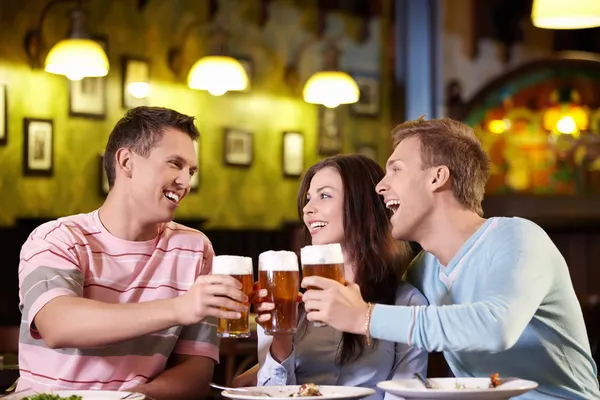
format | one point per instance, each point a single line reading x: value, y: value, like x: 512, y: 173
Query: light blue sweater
x: 505, y: 303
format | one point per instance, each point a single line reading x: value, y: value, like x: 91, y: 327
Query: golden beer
x: 278, y: 273
x: 329, y: 271
x: 241, y: 269
x: 326, y: 261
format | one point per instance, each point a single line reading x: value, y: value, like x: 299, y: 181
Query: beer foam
x: 278, y: 261
x: 232, y: 265
x: 322, y: 254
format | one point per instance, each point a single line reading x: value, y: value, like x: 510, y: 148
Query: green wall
x: 258, y: 197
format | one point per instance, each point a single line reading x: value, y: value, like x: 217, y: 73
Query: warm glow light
x: 331, y: 88
x: 139, y: 90
x: 217, y: 75
x: 566, y: 14
x: 77, y: 59
x: 498, y: 126
x: 566, y: 125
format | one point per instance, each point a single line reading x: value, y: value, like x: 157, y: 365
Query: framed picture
x: 104, y: 186
x: 195, y: 181
x: 136, y: 82
x: 330, y: 131
x: 369, y: 102
x: 248, y: 65
x: 292, y: 154
x: 38, y: 147
x: 368, y: 150
x: 3, y: 115
x: 87, y: 97
x: 237, y: 147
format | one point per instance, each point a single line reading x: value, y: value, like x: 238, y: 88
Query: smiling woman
x: 340, y: 207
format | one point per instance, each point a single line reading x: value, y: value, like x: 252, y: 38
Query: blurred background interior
x: 277, y: 85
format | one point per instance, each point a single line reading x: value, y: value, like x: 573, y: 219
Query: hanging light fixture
x: 216, y: 73
x: 77, y: 56
x: 566, y: 14
x: 331, y: 87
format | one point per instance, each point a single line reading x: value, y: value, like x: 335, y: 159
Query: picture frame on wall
x: 369, y: 101
x: 195, y: 180
x: 292, y: 154
x: 3, y: 115
x: 248, y: 64
x: 104, y: 186
x: 237, y: 147
x: 329, y: 131
x: 368, y: 150
x: 87, y: 97
x: 136, y: 82
x: 38, y: 147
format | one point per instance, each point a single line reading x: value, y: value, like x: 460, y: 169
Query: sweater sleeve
x: 514, y: 273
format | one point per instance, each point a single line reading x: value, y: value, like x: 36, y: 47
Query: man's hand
x: 206, y: 297
x: 341, y: 307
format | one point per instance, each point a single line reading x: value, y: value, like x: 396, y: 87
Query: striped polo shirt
x: 77, y: 256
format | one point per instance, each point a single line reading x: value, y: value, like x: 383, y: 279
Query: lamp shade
x: 331, y: 88
x: 217, y: 75
x: 566, y: 14
x: 77, y: 58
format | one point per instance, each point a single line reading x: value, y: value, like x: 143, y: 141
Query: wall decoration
x: 248, y: 65
x: 38, y: 148
x: 369, y: 102
x: 368, y: 150
x: 292, y: 154
x: 237, y: 147
x: 87, y: 97
x: 104, y: 186
x: 195, y: 180
x: 3, y: 115
x: 330, y: 131
x: 136, y: 82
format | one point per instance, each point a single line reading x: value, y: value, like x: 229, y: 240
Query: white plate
x: 447, y: 388
x: 85, y: 394
x: 284, y: 392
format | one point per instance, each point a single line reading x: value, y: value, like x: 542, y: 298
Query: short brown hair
x: 140, y: 129
x: 445, y: 141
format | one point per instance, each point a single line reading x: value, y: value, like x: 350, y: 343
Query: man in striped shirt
x: 122, y: 298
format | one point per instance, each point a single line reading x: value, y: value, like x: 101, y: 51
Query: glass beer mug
x: 241, y: 269
x: 279, y: 274
x: 324, y: 260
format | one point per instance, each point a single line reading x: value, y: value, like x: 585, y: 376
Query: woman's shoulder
x: 408, y: 295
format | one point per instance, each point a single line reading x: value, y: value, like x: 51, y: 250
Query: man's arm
x: 518, y: 277
x: 187, y: 379
x: 51, y: 300
x: 75, y: 322
x: 514, y: 284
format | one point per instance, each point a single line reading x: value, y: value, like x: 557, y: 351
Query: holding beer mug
x: 241, y: 269
x: 324, y: 260
x: 348, y: 226
x: 278, y: 274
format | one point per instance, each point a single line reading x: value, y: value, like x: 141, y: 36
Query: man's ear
x: 440, y: 177
x: 124, y: 162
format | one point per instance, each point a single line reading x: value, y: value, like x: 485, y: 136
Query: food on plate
x: 307, y: 390
x: 46, y: 396
x: 494, y: 380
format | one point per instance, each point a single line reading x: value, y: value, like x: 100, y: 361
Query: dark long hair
x: 379, y: 260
